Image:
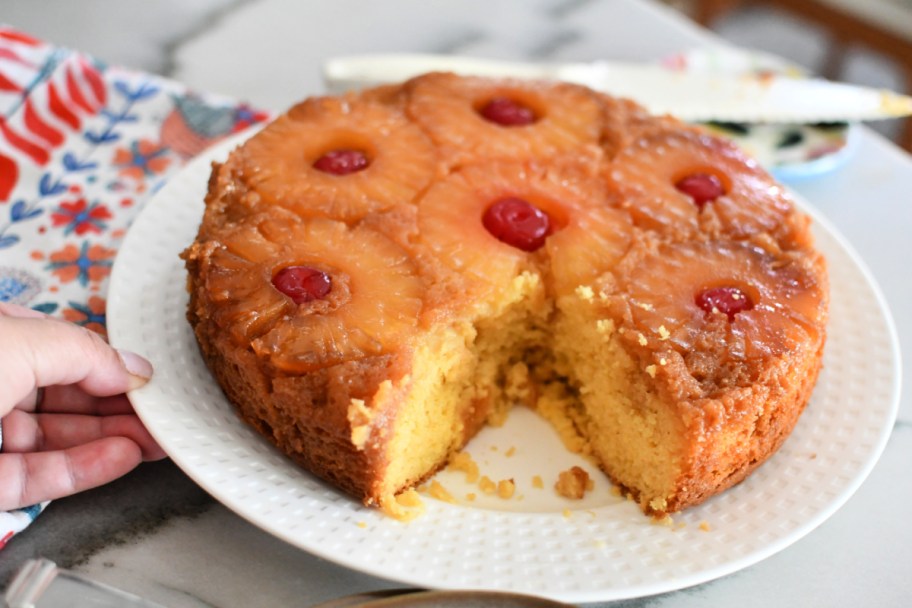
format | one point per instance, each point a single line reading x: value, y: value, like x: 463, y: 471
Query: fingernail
x: 139, y: 367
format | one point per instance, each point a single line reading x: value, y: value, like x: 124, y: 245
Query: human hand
x: 66, y: 424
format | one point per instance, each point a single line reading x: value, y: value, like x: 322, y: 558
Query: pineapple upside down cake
x: 378, y: 275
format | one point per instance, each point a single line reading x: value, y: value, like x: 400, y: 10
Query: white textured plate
x: 534, y: 543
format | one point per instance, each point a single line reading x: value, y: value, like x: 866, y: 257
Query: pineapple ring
x: 646, y: 171
x: 374, y: 303
x: 277, y: 163
x: 446, y: 106
x: 658, y: 285
x: 595, y: 238
x: 450, y: 222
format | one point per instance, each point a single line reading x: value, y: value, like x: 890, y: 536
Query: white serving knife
x: 696, y: 97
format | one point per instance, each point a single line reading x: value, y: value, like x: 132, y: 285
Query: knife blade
x: 765, y: 98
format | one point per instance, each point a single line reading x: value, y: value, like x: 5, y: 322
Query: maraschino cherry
x: 302, y: 283
x: 728, y: 300
x: 507, y: 113
x: 518, y: 223
x: 701, y: 187
x: 342, y: 162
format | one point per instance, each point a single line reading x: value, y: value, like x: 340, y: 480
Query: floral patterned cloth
x: 83, y: 145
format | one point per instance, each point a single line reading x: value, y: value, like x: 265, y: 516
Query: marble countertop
x: 160, y: 535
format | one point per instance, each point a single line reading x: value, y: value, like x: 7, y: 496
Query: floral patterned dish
x: 789, y: 151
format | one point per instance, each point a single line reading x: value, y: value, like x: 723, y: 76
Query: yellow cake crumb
x: 641, y: 339
x: 404, y: 507
x: 651, y: 370
x: 440, y: 493
x: 645, y: 306
x: 663, y: 361
x: 537, y: 482
x: 463, y: 462
x: 409, y: 498
x: 705, y: 526
x: 567, y: 513
x: 471, y: 496
x: 664, y: 520
x: 664, y: 334
x: 573, y: 483
x: 510, y: 451
x: 360, y: 435
x: 486, y: 485
x: 362, y: 524
x: 506, y: 488
x: 585, y: 292
x: 605, y: 326
x: 658, y: 505
x: 359, y: 417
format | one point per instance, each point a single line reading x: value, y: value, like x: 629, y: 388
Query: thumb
x: 46, y: 352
